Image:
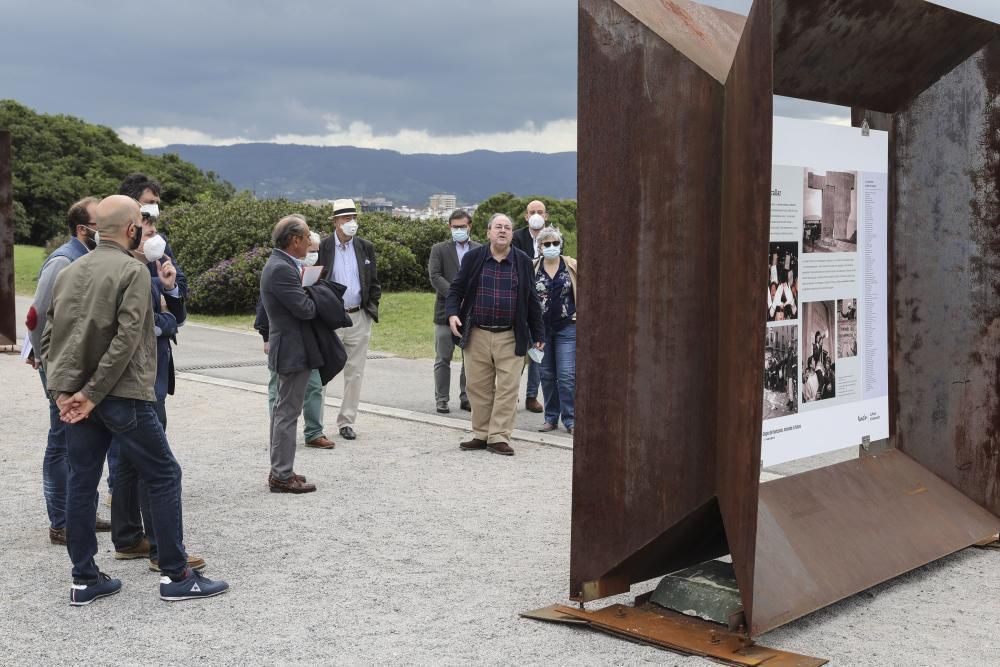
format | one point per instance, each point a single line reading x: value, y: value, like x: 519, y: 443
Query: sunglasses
x: 550, y: 244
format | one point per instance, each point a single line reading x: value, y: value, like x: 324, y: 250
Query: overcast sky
x: 439, y: 76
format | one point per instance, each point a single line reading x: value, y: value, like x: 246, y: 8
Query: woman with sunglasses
x: 555, y: 283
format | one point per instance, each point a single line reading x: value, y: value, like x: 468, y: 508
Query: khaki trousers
x: 493, y: 374
x: 355, y: 339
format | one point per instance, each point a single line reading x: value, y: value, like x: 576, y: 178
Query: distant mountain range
x: 315, y: 172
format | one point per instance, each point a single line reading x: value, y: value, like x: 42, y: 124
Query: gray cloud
x: 259, y: 69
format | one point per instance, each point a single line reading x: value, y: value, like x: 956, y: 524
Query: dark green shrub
x: 205, y: 234
x: 231, y: 286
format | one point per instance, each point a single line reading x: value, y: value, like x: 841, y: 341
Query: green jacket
x: 99, y: 336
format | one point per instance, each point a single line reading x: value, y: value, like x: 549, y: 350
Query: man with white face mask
x: 525, y: 241
x: 445, y: 260
x: 350, y: 261
x: 168, y: 291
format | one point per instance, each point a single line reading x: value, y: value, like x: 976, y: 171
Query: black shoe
x: 83, y: 594
x: 466, y: 406
x: 347, y: 433
x: 442, y: 407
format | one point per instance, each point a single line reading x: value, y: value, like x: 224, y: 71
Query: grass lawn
x: 27, y: 263
x: 405, y: 325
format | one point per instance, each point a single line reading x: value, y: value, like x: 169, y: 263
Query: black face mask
x: 135, y: 238
x: 90, y: 241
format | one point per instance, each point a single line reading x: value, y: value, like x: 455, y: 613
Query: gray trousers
x: 284, y: 420
x: 444, y: 350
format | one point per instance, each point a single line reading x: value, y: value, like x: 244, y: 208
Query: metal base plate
x: 666, y: 629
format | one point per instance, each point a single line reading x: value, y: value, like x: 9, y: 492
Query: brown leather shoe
x: 57, y: 535
x: 471, y: 445
x: 532, y: 405
x: 322, y: 442
x: 102, y: 525
x: 138, y: 550
x: 291, y: 485
x: 196, y: 563
x: 500, y: 448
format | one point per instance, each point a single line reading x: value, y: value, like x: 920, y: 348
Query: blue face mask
x: 460, y: 235
x: 551, y: 252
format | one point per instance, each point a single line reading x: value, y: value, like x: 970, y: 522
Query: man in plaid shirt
x: 494, y: 312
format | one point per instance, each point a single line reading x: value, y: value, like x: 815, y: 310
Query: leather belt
x: 352, y: 310
x: 494, y: 329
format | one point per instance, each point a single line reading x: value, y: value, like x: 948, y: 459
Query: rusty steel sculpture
x: 8, y: 334
x: 675, y: 132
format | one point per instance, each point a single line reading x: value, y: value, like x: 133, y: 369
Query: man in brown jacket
x: 99, y: 355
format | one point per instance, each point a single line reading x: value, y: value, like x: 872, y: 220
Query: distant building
x: 375, y: 205
x: 442, y: 202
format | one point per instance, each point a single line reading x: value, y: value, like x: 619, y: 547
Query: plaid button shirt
x: 496, y: 297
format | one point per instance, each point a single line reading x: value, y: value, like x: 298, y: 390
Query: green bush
x: 230, y: 287
x: 206, y: 234
x: 562, y: 212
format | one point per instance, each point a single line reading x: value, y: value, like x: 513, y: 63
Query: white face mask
x: 459, y: 234
x: 311, y: 258
x: 536, y: 221
x: 350, y: 228
x: 153, y: 248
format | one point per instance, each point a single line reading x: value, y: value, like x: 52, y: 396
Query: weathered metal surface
x: 745, y: 223
x: 649, y: 170
x: 832, y: 532
x: 707, y: 36
x: 876, y: 54
x: 691, y: 636
x: 551, y: 614
x: 946, y: 265
x: 8, y: 333
x: 708, y: 591
x: 876, y: 119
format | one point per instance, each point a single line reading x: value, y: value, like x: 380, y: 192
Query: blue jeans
x: 531, y: 391
x: 130, y: 507
x: 143, y: 451
x: 559, y: 375
x: 54, y: 465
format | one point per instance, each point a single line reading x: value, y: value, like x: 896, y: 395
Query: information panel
x: 826, y: 372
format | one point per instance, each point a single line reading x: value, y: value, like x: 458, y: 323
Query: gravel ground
x: 410, y: 552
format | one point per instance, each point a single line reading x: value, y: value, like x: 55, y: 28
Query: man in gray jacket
x: 288, y: 308
x: 99, y: 353
x: 446, y: 258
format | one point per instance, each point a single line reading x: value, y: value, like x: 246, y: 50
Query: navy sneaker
x: 81, y: 594
x: 194, y: 585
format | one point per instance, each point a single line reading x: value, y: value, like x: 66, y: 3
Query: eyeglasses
x: 550, y: 244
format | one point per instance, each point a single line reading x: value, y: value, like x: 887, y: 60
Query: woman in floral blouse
x: 555, y: 283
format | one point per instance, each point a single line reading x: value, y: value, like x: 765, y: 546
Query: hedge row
x: 223, y: 245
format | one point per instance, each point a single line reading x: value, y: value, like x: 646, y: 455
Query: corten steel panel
x: 742, y: 303
x: 649, y: 173
x: 876, y: 54
x: 946, y: 263
x: 832, y: 532
x: 707, y: 36
x: 8, y: 334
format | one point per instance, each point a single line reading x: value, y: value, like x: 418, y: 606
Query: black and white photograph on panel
x: 830, y: 211
x: 818, y: 366
x: 847, y: 328
x: 781, y: 375
x: 782, y: 281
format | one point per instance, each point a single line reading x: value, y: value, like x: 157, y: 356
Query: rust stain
x: 685, y: 18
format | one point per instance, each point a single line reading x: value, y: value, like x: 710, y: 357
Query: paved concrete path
x: 391, y: 382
